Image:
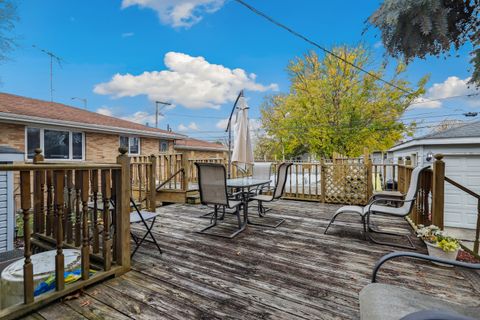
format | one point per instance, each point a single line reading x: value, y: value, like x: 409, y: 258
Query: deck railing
x: 71, y: 209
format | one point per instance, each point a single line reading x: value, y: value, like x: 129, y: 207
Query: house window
x: 131, y: 143
x: 56, y: 144
x: 33, y: 141
x: 163, y: 146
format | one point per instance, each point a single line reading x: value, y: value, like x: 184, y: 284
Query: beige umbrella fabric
x: 242, y: 148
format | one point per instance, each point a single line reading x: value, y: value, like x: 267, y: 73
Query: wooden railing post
x: 85, y: 234
x: 186, y: 172
x: 401, y: 175
x: 96, y: 232
x: 368, y: 165
x: 38, y: 198
x: 122, y: 205
x: 153, y: 184
x: 438, y: 191
x: 28, y: 266
x: 59, y: 183
x: 322, y: 180
x: 106, y: 196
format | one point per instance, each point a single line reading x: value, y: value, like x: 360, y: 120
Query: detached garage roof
x: 18, y: 109
x: 195, y: 144
x: 464, y: 134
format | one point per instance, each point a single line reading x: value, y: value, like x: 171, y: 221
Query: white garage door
x: 461, y: 208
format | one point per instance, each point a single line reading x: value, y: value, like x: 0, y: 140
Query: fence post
x: 122, y: 200
x: 438, y: 191
x: 401, y: 175
x: 153, y: 184
x: 322, y: 180
x: 186, y: 172
x: 368, y: 165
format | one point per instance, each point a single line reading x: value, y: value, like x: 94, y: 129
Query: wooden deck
x: 292, y: 272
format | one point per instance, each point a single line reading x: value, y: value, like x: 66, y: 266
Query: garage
x: 460, y: 147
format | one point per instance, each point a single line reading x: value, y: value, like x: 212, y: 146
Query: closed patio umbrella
x: 242, y: 148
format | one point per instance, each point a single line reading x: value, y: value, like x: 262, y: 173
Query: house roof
x: 468, y: 133
x: 465, y: 130
x: 14, y: 108
x: 195, y: 144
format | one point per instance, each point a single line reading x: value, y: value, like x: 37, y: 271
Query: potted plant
x: 439, y: 243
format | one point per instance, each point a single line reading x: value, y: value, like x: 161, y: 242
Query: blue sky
x: 196, y: 54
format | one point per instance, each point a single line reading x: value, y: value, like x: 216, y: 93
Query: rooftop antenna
x: 52, y: 57
x: 156, y: 111
x: 84, y: 100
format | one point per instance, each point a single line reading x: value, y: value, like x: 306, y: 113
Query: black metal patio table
x: 246, y: 185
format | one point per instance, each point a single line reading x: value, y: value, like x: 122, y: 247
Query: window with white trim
x: 163, y: 146
x: 131, y: 143
x: 55, y: 144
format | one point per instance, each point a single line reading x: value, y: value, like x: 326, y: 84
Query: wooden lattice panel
x: 346, y: 183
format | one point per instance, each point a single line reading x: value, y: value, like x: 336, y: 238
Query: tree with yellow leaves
x: 334, y: 107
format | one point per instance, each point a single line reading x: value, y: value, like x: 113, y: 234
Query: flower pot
x: 435, y: 251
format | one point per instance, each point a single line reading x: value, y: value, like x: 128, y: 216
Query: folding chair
x: 143, y: 216
x: 212, y: 183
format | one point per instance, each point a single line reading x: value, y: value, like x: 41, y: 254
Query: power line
x: 444, y: 98
x: 299, y: 35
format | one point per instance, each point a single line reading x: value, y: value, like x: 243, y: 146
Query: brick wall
x: 101, y: 147
x: 149, y: 146
x: 13, y: 135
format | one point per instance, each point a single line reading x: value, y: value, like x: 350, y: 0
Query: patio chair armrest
x: 370, y: 204
x: 420, y: 256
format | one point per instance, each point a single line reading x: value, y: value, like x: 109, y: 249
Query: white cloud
x: 105, y: 111
x: 178, y: 13
x: 192, y: 126
x: 451, y: 87
x: 189, y: 81
x: 141, y: 117
x: 127, y: 34
x: 378, y: 45
x: 222, y: 124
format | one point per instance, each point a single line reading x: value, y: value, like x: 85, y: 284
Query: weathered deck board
x: 294, y: 271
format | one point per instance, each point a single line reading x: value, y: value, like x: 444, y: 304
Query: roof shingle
x: 18, y: 105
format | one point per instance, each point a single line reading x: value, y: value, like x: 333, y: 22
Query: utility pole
x: 84, y: 100
x: 59, y: 61
x: 156, y: 111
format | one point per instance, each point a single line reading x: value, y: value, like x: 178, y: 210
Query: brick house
x: 200, y: 149
x: 65, y: 133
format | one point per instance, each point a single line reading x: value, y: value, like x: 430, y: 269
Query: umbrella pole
x: 229, y: 129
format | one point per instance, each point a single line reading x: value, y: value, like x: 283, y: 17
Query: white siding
x: 461, y: 208
x: 462, y: 164
x: 3, y: 211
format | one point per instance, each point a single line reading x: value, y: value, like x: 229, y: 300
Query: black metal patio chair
x: 374, y: 207
x: 212, y: 183
x: 273, y: 195
x: 380, y: 301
